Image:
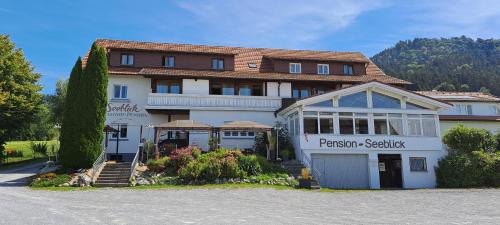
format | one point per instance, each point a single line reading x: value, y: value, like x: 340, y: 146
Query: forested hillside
x: 460, y: 63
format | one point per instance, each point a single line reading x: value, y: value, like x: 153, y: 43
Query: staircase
x: 114, y: 174
x: 295, y: 168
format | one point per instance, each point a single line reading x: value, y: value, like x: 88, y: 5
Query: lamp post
x: 277, y: 128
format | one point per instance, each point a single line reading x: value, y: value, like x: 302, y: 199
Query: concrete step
x: 111, y: 181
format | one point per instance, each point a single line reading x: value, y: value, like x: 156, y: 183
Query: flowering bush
x: 182, y: 156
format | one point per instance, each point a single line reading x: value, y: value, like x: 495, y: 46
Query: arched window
x: 356, y: 100
x: 384, y: 101
x: 327, y: 103
x: 410, y: 105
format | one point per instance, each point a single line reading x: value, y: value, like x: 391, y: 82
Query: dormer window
x: 295, y: 68
x: 323, y: 69
x: 218, y: 64
x: 169, y: 61
x: 348, y: 69
x: 127, y: 60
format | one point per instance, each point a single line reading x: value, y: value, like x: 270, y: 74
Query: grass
x: 28, y: 154
x: 212, y: 186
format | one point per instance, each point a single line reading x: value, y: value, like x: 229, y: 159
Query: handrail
x: 98, y: 163
x: 306, y: 160
x: 134, y: 164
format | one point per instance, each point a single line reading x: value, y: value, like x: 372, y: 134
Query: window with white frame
x: 422, y: 125
x: 418, y: 164
x: 356, y: 100
x: 123, y: 130
x: 353, y: 123
x: 295, y: 68
x: 388, y: 123
x: 239, y: 134
x: 218, y: 64
x: 311, y: 122
x: 127, y: 60
x: 326, y: 123
x: 323, y: 69
x: 120, y: 91
x: 383, y: 101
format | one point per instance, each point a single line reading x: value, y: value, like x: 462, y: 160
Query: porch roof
x: 184, y: 125
x: 244, y: 125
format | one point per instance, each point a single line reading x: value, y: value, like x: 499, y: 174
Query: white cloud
x: 279, y: 22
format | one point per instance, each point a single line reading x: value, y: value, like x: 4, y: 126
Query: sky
x: 53, y: 33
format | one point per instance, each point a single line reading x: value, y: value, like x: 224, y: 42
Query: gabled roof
x: 461, y: 96
x: 243, y: 56
x: 374, y: 85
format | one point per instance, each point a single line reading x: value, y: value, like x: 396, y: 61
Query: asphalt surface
x: 21, y: 205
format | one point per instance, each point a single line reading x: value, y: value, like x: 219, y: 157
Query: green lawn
x: 24, y: 146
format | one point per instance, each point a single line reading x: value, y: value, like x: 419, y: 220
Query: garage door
x: 342, y: 171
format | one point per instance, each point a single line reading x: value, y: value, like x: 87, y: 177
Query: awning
x: 183, y: 125
x: 245, y: 125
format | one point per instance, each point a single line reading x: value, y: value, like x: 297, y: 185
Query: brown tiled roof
x: 162, y: 71
x: 469, y: 118
x: 243, y: 56
x: 461, y: 96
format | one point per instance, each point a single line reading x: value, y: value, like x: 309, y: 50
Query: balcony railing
x: 217, y: 101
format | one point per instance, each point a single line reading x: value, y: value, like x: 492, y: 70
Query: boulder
x: 84, y: 180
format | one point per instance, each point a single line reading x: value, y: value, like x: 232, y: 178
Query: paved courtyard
x: 20, y: 205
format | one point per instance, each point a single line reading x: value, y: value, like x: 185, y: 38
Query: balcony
x: 225, y: 102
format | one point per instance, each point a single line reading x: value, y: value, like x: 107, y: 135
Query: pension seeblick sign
x: 368, y: 142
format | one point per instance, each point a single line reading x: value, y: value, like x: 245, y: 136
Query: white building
x: 368, y: 136
x: 353, y: 125
x: 472, y: 109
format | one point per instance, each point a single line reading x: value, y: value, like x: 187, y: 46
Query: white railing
x: 232, y: 101
x: 134, y: 164
x: 308, y: 163
x: 99, y: 162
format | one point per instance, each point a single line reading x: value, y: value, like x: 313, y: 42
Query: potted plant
x: 305, y: 178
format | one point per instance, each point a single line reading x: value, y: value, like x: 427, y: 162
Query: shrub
x: 497, y: 138
x: 250, y: 165
x: 269, y: 167
x: 230, y: 168
x: 192, y: 171
x: 183, y: 156
x: 13, y: 153
x: 212, y: 169
x: 40, y: 148
x: 479, y: 169
x: 158, y: 165
x: 50, y: 180
x: 463, y: 139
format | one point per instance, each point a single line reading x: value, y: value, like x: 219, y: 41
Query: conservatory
x: 367, y: 136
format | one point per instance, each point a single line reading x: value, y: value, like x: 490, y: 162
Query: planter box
x: 305, y: 183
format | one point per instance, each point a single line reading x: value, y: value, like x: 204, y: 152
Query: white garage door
x: 342, y: 171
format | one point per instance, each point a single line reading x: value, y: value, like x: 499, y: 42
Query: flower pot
x: 305, y: 183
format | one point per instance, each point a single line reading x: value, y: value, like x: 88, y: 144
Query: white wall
x: 192, y: 86
x: 493, y: 127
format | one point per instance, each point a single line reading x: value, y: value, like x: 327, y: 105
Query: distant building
x: 472, y: 109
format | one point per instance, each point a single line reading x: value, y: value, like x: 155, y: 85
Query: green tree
x: 57, y: 101
x: 463, y: 139
x: 94, y: 102
x: 70, y: 151
x: 19, y: 89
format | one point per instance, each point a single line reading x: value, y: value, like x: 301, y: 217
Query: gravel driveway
x: 20, y: 205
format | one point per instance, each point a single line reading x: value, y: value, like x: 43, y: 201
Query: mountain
x: 458, y: 63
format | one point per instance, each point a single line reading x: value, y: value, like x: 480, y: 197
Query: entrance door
x: 389, y: 167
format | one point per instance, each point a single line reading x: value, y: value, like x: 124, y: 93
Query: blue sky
x: 54, y: 33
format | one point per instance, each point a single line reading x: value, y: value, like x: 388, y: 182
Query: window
x: 301, y: 92
x: 418, y: 164
x: 127, y: 60
x: 169, y: 61
x: 348, y: 69
x: 414, y: 128
x: 120, y: 91
x: 388, y: 124
x: 357, y: 124
x: 395, y: 124
x: 356, y: 100
x: 469, y: 109
x: 311, y: 125
x: 323, y: 69
x: 384, y: 101
x: 252, y: 65
x: 245, y: 90
x: 228, y: 89
x: 380, y: 123
x: 166, y: 86
x: 410, y: 105
x: 326, y: 125
x: 217, y: 64
x: 122, y: 128
x: 429, y: 125
x: 295, y: 68
x: 239, y: 134
x: 327, y: 103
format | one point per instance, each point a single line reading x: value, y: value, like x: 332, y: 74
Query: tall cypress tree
x: 94, y: 101
x: 70, y: 148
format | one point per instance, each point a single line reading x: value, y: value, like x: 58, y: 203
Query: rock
x: 142, y: 181
x: 84, y: 180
